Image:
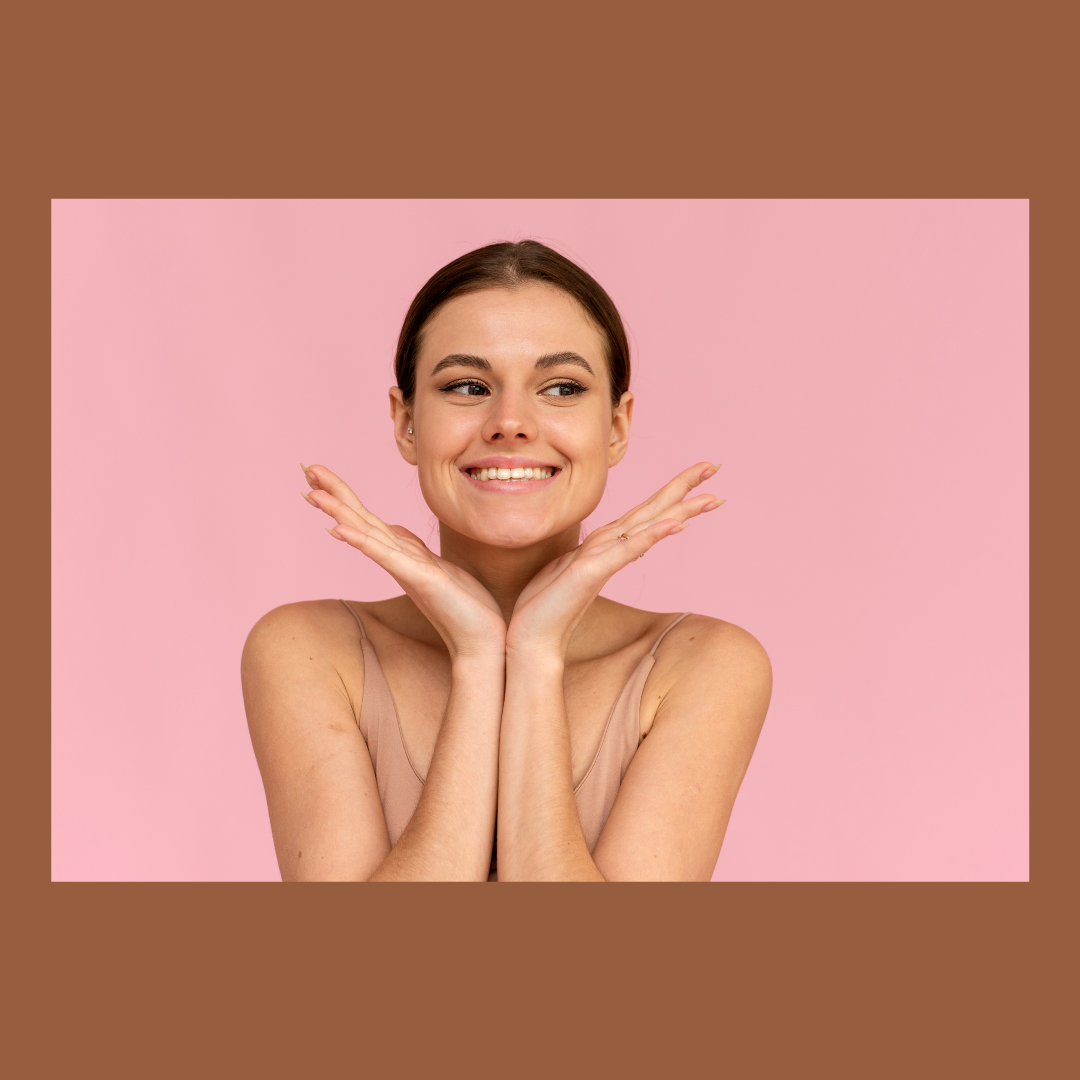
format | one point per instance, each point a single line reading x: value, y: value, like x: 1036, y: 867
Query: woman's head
x: 512, y: 357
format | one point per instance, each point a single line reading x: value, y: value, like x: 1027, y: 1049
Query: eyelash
x: 464, y: 382
x: 575, y: 386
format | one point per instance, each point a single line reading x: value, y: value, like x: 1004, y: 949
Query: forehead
x: 508, y: 324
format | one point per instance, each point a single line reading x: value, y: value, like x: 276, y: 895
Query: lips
x: 505, y: 473
x: 507, y: 470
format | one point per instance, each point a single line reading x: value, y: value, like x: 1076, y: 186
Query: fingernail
x: 304, y: 496
x: 304, y: 467
x: 333, y: 534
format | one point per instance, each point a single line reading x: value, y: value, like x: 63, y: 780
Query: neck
x: 504, y: 572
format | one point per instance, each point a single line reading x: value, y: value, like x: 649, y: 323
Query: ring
x: 621, y: 537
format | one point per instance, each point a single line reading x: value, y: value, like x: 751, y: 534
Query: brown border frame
x: 586, y: 100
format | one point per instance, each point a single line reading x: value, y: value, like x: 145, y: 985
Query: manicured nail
x: 304, y: 496
x: 718, y: 503
x: 331, y: 532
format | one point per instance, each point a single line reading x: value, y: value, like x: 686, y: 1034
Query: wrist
x: 479, y: 660
x: 536, y: 656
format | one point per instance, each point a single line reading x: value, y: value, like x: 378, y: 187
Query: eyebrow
x: 478, y: 362
x: 555, y: 359
x: 461, y: 360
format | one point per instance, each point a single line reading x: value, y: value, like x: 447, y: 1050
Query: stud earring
x: 410, y: 431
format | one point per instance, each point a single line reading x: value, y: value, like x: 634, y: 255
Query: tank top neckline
x: 380, y: 676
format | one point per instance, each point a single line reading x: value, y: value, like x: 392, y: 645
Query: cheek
x: 443, y: 435
x: 583, y: 443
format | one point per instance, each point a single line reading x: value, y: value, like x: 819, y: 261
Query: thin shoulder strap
x: 664, y: 632
x: 379, y: 718
x: 357, y: 617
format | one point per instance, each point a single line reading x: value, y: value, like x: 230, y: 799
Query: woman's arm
x: 540, y: 837
x: 450, y: 834
x: 669, y: 818
x: 321, y: 794
x: 321, y: 791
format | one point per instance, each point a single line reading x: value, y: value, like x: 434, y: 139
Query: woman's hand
x: 553, y: 603
x: 464, y: 613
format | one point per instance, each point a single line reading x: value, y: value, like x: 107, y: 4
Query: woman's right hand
x: 463, y: 612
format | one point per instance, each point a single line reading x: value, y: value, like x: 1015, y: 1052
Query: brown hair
x: 508, y: 266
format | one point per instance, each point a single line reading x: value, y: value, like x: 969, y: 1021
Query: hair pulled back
x: 509, y: 266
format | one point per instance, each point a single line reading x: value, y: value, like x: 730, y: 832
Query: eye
x: 563, y: 389
x: 467, y: 388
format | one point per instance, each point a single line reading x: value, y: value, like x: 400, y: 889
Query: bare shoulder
x: 302, y: 677
x: 306, y: 619
x: 702, y: 710
x: 700, y: 643
x: 304, y: 643
x: 714, y: 667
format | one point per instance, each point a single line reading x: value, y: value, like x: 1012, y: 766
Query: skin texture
x: 503, y: 659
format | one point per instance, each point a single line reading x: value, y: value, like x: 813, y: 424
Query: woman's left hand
x: 553, y: 603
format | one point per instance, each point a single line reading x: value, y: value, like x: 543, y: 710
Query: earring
x: 410, y: 431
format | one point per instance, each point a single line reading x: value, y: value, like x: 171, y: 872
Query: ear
x: 620, y: 429
x: 401, y: 414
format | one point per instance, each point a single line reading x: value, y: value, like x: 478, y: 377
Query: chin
x: 509, y: 530
x: 509, y: 534
x: 511, y: 520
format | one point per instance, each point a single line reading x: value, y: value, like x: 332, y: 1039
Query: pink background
x: 859, y: 367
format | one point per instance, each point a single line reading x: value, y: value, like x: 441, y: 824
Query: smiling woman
x: 607, y: 743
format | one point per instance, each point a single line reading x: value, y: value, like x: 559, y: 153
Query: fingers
x: 392, y: 559
x: 327, y: 496
x: 691, y: 508
x: 346, y: 515
x: 638, y: 541
x: 673, y: 492
x: 354, y: 523
x: 321, y: 478
x: 670, y: 501
x: 680, y: 515
x: 633, y: 541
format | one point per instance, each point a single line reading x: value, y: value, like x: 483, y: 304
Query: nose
x: 510, y: 421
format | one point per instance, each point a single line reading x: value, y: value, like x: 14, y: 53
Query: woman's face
x: 512, y: 379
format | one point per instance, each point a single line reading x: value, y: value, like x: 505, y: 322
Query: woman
x: 607, y: 742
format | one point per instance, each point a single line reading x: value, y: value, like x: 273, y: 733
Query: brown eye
x: 567, y: 389
x: 467, y: 389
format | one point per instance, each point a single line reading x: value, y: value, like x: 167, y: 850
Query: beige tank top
x: 400, y: 784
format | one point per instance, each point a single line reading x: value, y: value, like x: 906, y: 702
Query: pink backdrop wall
x: 859, y: 367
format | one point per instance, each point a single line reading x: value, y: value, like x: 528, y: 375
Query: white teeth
x: 511, y: 474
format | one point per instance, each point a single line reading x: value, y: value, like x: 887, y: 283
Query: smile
x: 513, y: 475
